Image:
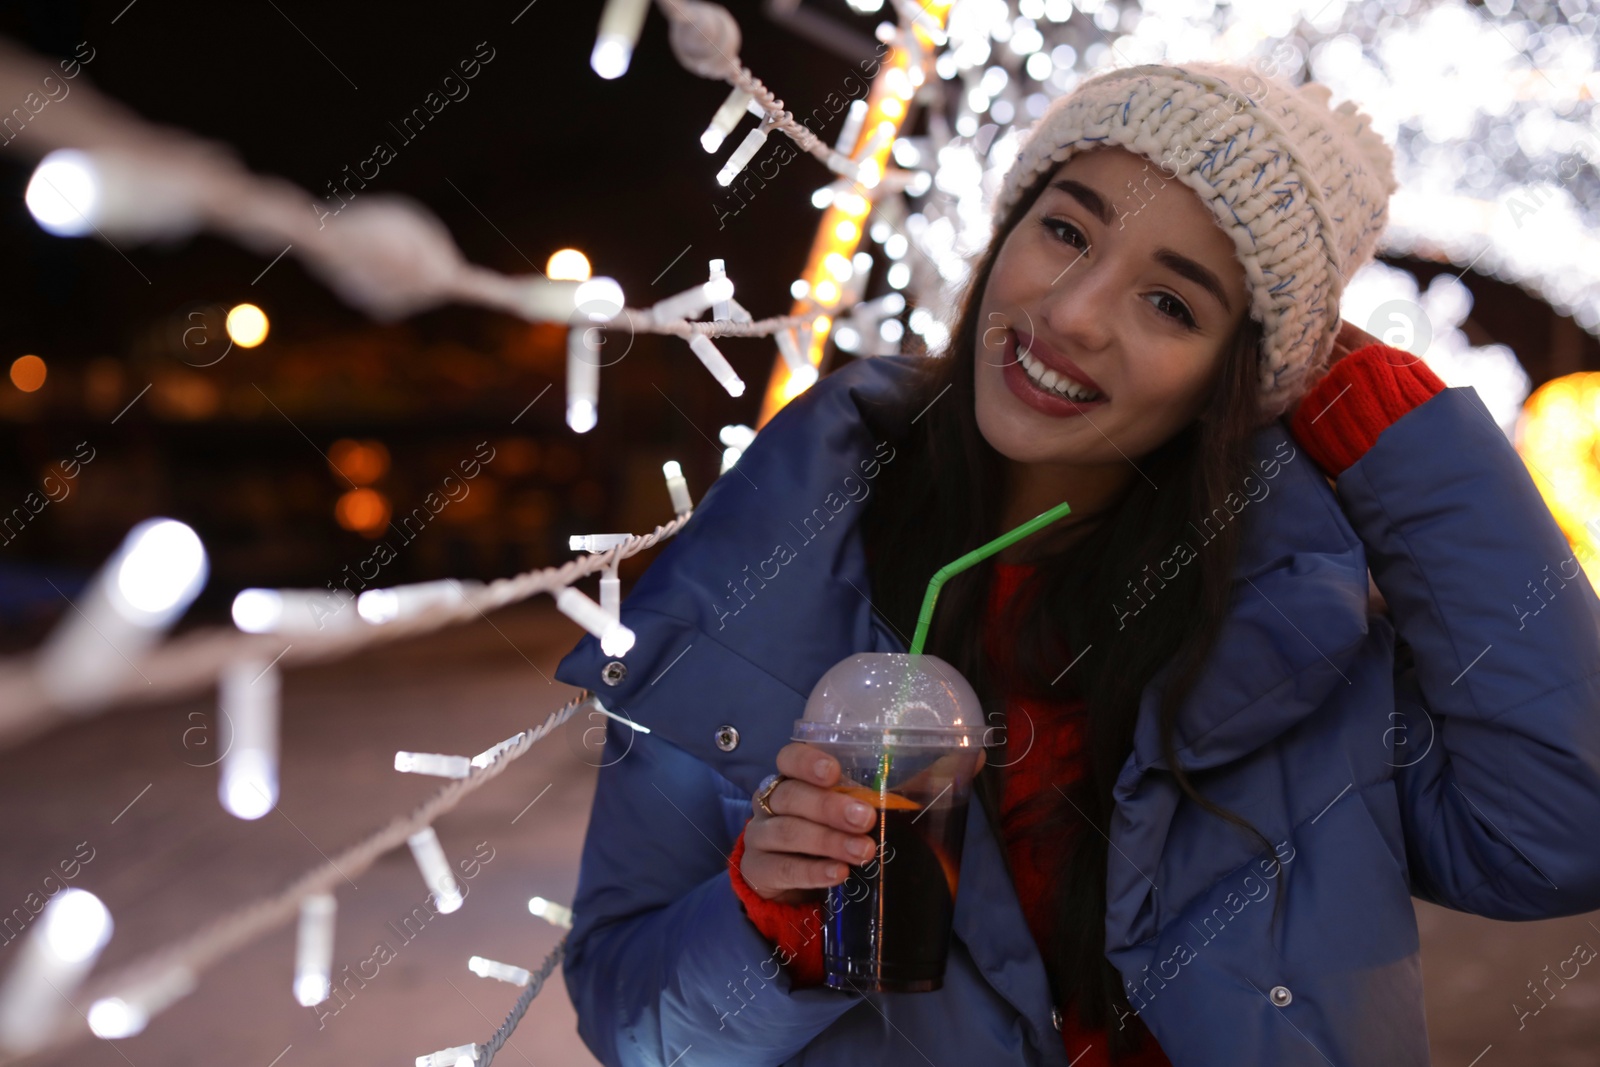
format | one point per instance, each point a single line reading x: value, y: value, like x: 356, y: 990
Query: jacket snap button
x: 1055, y: 1017
x: 614, y: 672
x: 727, y: 738
x: 1280, y: 995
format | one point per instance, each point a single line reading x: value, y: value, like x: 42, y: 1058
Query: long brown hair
x: 945, y: 499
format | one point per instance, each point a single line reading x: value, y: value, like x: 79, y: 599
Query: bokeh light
x: 1557, y: 438
x: 567, y: 265
x: 28, y: 373
x: 247, y: 325
x: 362, y: 462
x: 363, y: 511
x: 63, y: 195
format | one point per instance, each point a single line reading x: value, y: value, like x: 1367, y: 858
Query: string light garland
x: 247, y: 715
x: 459, y: 1056
x: 127, y: 998
x: 705, y: 39
x: 535, y: 983
x: 195, y: 661
x: 436, y: 764
x: 110, y: 173
x: 390, y: 258
x: 548, y: 910
x: 476, y: 1055
x: 55, y: 957
x: 140, y: 591
x: 436, y: 872
x: 313, y: 954
x: 610, y: 581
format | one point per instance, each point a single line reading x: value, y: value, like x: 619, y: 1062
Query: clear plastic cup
x: 907, y: 731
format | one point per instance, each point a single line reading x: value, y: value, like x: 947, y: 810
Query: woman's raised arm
x: 1498, y: 675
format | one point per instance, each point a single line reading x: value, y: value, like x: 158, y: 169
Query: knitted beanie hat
x: 1303, y: 190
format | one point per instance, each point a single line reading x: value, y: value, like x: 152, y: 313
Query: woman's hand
x: 1351, y: 338
x: 814, y: 835
x: 790, y: 855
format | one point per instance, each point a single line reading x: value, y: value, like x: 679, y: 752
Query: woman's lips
x: 1055, y: 361
x: 1036, y: 396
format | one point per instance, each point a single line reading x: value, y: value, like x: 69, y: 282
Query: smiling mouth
x: 1052, y: 380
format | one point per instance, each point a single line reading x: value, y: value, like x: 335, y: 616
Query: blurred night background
x: 540, y: 155
x: 293, y: 458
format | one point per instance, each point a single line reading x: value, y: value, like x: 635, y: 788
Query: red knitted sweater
x: 1337, y: 421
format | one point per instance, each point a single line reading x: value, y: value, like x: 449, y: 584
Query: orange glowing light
x: 365, y: 511
x: 836, y: 242
x: 362, y: 462
x: 28, y: 373
x: 1558, y: 437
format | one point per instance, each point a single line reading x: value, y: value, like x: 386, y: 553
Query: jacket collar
x: 1297, y: 620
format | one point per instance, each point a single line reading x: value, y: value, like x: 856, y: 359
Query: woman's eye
x: 1180, y: 313
x: 1060, y: 227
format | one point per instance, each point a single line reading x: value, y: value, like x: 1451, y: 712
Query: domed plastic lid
x: 904, y: 699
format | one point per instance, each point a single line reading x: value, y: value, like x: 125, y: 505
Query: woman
x: 1194, y: 703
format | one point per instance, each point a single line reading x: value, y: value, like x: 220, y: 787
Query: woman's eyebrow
x: 1176, y: 262
x: 1092, y: 201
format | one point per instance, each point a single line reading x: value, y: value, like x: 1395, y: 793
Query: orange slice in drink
x: 881, y: 801
x: 895, y: 801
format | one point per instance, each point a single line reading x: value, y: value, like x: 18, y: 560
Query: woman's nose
x: 1081, y: 303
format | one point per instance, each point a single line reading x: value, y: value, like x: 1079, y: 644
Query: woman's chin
x: 1016, y: 431
x: 1014, y: 443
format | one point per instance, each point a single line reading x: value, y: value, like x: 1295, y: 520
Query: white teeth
x: 1053, y: 381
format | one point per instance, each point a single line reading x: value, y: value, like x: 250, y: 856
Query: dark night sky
x: 550, y: 153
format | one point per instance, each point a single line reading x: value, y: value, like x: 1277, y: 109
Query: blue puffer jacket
x: 1451, y: 752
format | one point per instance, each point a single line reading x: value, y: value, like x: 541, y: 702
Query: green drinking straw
x: 942, y: 575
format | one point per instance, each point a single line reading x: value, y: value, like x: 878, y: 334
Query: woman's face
x: 1120, y: 280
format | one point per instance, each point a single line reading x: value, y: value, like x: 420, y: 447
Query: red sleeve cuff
x: 795, y: 928
x: 1362, y: 395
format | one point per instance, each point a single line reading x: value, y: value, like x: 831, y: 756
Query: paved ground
x: 174, y: 859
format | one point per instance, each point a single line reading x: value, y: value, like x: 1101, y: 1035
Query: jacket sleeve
x: 1498, y: 667
x: 661, y: 956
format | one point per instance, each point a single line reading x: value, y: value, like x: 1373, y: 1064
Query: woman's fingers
x: 811, y: 772
x: 1350, y: 338
x: 807, y: 763
x: 790, y: 833
x: 815, y: 833
x: 786, y: 853
x: 777, y: 874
